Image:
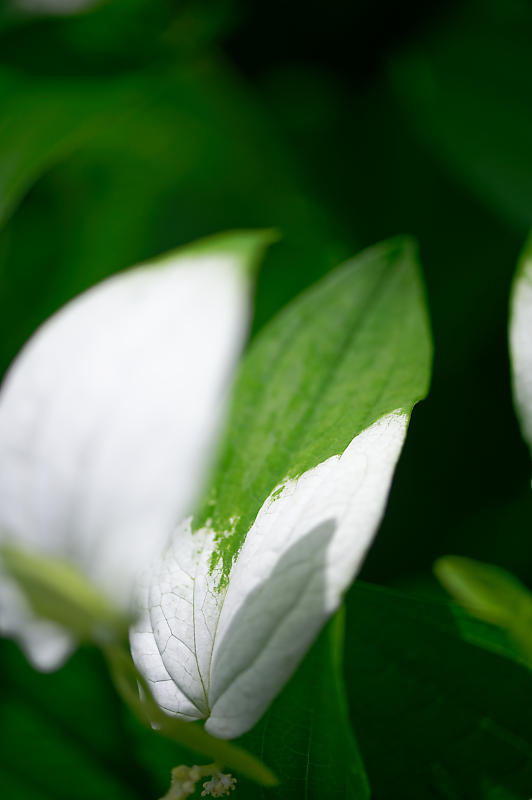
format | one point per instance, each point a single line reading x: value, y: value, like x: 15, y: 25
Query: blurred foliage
x: 491, y: 594
x: 436, y: 717
x: 138, y: 125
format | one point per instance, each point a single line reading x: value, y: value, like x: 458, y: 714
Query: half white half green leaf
x: 107, y: 420
x: 319, y: 416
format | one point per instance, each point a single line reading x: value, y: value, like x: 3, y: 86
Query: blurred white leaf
x: 109, y: 414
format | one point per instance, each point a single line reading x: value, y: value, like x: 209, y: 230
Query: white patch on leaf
x: 223, y: 655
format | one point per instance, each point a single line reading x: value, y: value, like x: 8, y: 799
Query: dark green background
x: 144, y: 124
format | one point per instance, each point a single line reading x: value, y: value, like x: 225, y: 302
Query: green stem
x: 137, y: 694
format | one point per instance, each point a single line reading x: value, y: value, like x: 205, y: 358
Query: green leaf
x: 353, y: 348
x: 306, y: 731
x: 493, y: 595
x: 436, y: 716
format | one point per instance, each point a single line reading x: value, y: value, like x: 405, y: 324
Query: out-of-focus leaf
x: 492, y: 594
x: 62, y: 735
x: 45, y: 119
x: 435, y: 714
x: 197, y: 156
x: 53, y: 7
x: 74, y: 37
x: 465, y: 89
x: 520, y: 341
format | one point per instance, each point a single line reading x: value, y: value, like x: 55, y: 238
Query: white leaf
x: 107, y: 417
x: 223, y: 654
x: 521, y: 343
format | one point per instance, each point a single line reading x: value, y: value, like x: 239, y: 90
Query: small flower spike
x: 219, y: 785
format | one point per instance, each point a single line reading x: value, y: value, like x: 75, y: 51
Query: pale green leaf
x: 492, y: 594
